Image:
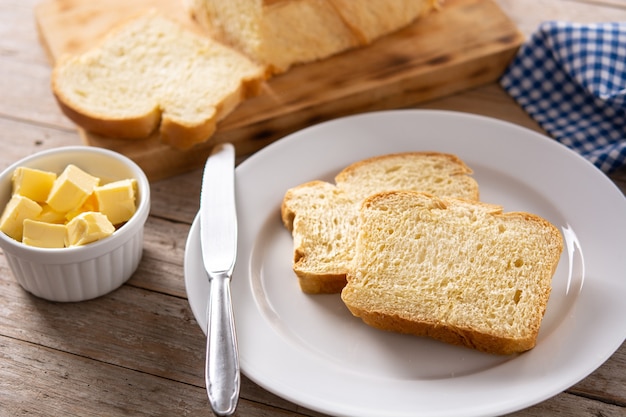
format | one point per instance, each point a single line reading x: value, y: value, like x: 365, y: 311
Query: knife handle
x: 222, y: 376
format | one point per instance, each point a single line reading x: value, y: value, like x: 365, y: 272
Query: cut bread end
x: 133, y: 127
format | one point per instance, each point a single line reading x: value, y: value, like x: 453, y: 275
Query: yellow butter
x: 90, y: 204
x: 18, y: 209
x: 116, y: 200
x: 49, y: 215
x: 71, y: 189
x: 88, y: 227
x: 44, y: 235
x: 33, y: 183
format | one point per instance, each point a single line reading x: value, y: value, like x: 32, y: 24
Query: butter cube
x: 33, y: 183
x: 71, y: 189
x: 44, y: 235
x: 49, y: 215
x: 116, y: 200
x: 90, y: 204
x: 18, y: 209
x: 88, y: 227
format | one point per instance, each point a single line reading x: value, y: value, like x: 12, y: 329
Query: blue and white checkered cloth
x: 571, y: 79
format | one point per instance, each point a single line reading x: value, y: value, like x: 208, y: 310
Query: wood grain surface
x: 465, y: 44
x: 138, y: 351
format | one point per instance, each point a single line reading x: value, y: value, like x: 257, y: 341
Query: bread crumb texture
x: 149, y: 72
x: 323, y: 217
x: 461, y: 272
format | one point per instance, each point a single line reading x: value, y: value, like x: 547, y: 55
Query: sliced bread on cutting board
x: 424, y: 61
x: 323, y: 217
x: 151, y: 73
x: 282, y: 33
x: 461, y: 272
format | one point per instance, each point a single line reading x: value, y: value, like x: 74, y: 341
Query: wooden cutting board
x: 465, y: 44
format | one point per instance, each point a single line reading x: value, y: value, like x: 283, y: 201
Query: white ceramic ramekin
x: 83, y: 272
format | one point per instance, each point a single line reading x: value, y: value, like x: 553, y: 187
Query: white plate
x: 311, y: 351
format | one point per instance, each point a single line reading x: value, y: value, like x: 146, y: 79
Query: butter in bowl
x: 72, y: 221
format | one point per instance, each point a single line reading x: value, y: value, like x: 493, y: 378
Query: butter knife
x: 218, y: 240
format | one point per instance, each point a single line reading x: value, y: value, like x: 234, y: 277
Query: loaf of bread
x: 461, y: 272
x: 151, y: 73
x: 322, y: 217
x: 281, y: 33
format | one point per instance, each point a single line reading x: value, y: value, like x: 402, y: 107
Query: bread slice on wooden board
x: 322, y: 217
x: 149, y: 73
x: 461, y: 272
x: 282, y: 33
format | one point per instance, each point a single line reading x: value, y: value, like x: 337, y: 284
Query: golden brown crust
x: 268, y: 3
x: 462, y: 168
x: 448, y: 334
x: 122, y: 128
x: 181, y: 136
x: 320, y: 284
x: 286, y: 214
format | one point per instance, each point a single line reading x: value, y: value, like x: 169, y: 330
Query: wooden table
x: 138, y: 350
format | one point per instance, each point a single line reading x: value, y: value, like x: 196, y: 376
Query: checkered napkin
x: 571, y: 78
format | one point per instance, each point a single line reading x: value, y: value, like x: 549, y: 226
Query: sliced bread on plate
x: 458, y: 271
x: 323, y: 217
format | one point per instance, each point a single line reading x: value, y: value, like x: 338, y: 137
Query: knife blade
x: 218, y: 240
